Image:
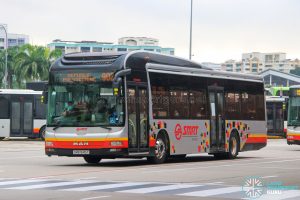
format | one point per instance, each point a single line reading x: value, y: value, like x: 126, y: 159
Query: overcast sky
x: 222, y: 29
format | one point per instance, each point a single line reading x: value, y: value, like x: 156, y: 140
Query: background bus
x: 143, y: 104
x: 22, y: 114
x: 276, y: 115
x: 293, y: 129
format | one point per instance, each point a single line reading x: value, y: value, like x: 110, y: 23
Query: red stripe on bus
x: 86, y: 145
x: 293, y: 137
x: 36, y: 130
x: 257, y: 140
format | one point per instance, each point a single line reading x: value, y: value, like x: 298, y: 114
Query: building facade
x: 125, y: 44
x: 13, y: 39
x: 257, y: 62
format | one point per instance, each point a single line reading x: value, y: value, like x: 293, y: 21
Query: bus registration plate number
x: 81, y: 152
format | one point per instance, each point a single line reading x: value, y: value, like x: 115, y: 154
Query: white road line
x: 20, y: 181
x: 103, y: 187
x: 265, y: 177
x: 159, y: 188
x: 216, y: 166
x: 100, y: 197
x: 205, y: 193
x: 285, y: 195
x: 47, y: 185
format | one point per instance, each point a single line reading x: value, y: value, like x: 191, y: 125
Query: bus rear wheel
x: 161, y: 151
x: 233, y: 146
x: 92, y: 159
x: 2, y: 138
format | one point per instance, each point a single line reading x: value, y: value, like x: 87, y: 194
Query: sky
x: 222, y: 29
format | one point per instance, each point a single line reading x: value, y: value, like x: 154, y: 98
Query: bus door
x: 137, y: 104
x: 21, y: 115
x: 217, y: 123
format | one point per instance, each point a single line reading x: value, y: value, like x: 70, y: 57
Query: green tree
x: 11, y: 57
x: 33, y: 62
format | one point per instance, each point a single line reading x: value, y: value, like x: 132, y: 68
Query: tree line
x: 26, y: 63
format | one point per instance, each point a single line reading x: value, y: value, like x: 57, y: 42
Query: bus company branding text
x: 186, y: 130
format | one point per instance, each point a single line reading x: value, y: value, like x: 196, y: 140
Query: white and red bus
x: 293, y: 129
x: 22, y: 114
x: 143, y: 104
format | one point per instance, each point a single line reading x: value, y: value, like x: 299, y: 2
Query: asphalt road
x: 26, y: 173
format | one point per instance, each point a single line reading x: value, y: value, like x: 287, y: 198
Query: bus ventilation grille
x: 91, y: 60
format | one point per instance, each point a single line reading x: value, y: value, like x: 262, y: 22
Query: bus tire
x: 42, y: 132
x: 2, y: 138
x: 161, y: 150
x: 92, y: 159
x: 233, y: 146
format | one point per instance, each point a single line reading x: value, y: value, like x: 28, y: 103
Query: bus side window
x: 4, y: 107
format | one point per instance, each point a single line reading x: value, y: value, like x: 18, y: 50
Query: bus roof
x: 19, y: 91
x: 140, y: 59
x: 119, y: 60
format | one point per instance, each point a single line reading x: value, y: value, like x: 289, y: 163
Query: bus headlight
x: 49, y: 144
x: 116, y: 143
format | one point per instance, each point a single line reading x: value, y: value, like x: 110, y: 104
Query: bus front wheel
x: 161, y: 151
x: 92, y: 159
x: 2, y: 138
x: 43, y: 132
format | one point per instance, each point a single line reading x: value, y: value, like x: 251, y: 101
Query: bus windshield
x: 294, y: 111
x: 84, y: 104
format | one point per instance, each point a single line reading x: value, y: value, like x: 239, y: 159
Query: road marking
x: 265, y: 177
x: 103, y: 187
x: 47, y: 185
x: 20, y: 181
x: 216, y: 166
x: 100, y: 197
x: 284, y: 195
x: 159, y: 188
x: 212, y: 192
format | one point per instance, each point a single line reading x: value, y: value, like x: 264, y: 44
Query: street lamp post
x: 6, y: 47
x: 191, y: 28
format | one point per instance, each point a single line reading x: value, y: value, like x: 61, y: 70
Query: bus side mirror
x: 116, y: 83
x: 116, y: 86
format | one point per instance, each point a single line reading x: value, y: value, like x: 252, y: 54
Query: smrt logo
x: 185, y: 131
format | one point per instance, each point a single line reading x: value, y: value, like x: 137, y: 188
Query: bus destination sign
x: 83, y: 77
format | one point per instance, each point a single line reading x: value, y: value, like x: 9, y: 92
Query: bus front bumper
x: 105, y: 153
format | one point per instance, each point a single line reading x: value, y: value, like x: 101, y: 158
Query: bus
x: 279, y: 91
x: 276, y: 116
x: 22, y: 114
x: 293, y: 129
x: 143, y: 104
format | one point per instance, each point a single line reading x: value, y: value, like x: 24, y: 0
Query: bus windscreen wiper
x: 106, y: 127
x: 58, y: 125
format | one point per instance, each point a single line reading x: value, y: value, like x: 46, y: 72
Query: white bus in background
x: 22, y: 114
x: 276, y: 115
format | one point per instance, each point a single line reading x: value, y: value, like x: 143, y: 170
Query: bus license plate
x: 81, y: 152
